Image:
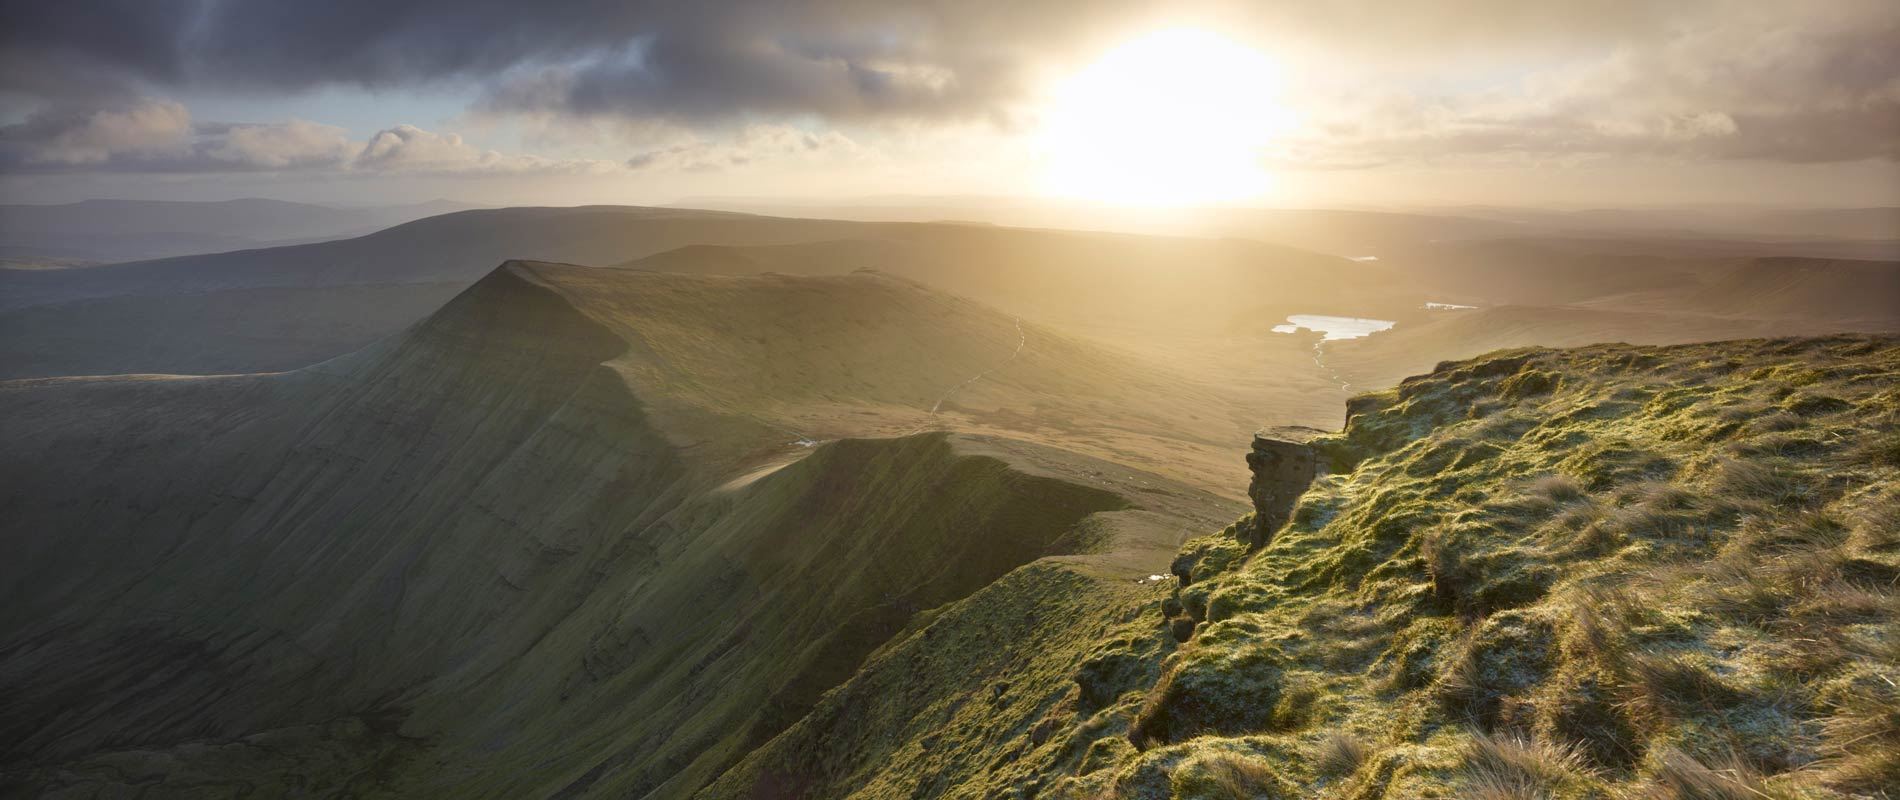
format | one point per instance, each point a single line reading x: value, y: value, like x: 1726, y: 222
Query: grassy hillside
x: 527, y: 549
x: 867, y: 354
x: 558, y: 540
x: 555, y: 539
x: 1665, y: 572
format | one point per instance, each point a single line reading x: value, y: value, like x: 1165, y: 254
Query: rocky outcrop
x: 1283, y: 465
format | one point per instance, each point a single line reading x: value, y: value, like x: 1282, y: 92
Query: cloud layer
x: 1375, y: 82
x: 1815, y: 88
x: 159, y: 136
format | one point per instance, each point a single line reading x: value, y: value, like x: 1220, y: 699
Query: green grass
x: 1644, y: 572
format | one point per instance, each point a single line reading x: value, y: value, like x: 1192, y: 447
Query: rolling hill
x: 1634, y: 299
x: 1064, y: 276
x: 281, y: 308
x: 1200, y: 305
x: 1142, y: 285
x: 1191, y: 301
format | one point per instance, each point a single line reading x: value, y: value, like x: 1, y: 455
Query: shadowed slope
x: 502, y: 554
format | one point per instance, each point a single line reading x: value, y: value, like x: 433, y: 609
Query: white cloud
x: 288, y: 145
x: 1760, y: 84
x: 145, y: 129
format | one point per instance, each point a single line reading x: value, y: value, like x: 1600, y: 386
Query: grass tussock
x: 1451, y: 573
x: 1340, y: 755
x: 1681, y: 777
x: 1676, y: 685
x: 1762, y: 480
x: 1558, y: 488
x: 1228, y: 776
x: 1863, y: 733
x: 1509, y: 767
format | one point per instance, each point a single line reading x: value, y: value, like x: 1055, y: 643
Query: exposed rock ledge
x: 1283, y: 465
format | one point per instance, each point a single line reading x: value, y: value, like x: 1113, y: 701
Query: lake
x: 1332, y: 328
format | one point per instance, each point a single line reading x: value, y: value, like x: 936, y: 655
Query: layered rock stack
x: 1283, y: 467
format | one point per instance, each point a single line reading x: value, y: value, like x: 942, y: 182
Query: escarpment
x: 1583, y: 573
x: 554, y: 540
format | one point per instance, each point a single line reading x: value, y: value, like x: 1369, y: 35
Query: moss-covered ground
x: 1606, y: 572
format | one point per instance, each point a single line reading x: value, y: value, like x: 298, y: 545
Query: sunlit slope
x: 1744, y: 280
x: 1150, y: 285
x: 1698, y: 301
x: 775, y: 344
x: 536, y: 542
x: 1855, y: 295
x: 1382, y: 359
x: 1660, y: 572
x: 870, y: 354
x: 1200, y: 305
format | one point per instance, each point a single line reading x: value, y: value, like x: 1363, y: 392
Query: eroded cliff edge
x: 1569, y: 573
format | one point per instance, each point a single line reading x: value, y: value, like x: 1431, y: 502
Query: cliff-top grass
x: 1608, y: 572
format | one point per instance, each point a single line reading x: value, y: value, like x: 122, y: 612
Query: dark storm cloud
x: 291, y: 44
x: 691, y: 61
x: 67, y: 50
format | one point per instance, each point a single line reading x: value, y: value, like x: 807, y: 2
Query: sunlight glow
x: 1176, y: 117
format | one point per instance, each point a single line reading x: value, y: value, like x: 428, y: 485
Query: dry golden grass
x: 1340, y: 755
x: 1509, y: 767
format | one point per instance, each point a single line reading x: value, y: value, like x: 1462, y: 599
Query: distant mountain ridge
x: 130, y: 230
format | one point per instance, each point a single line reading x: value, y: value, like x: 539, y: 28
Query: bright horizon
x: 1132, y: 106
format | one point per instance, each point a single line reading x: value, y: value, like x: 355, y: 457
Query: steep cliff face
x: 503, y: 554
x: 1666, y: 571
x: 1283, y: 466
x: 393, y: 506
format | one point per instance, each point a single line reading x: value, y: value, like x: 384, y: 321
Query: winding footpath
x: 1021, y: 339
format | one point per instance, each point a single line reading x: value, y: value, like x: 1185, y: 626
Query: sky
x: 1177, y: 104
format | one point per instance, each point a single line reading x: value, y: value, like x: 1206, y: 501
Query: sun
x: 1173, y: 118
